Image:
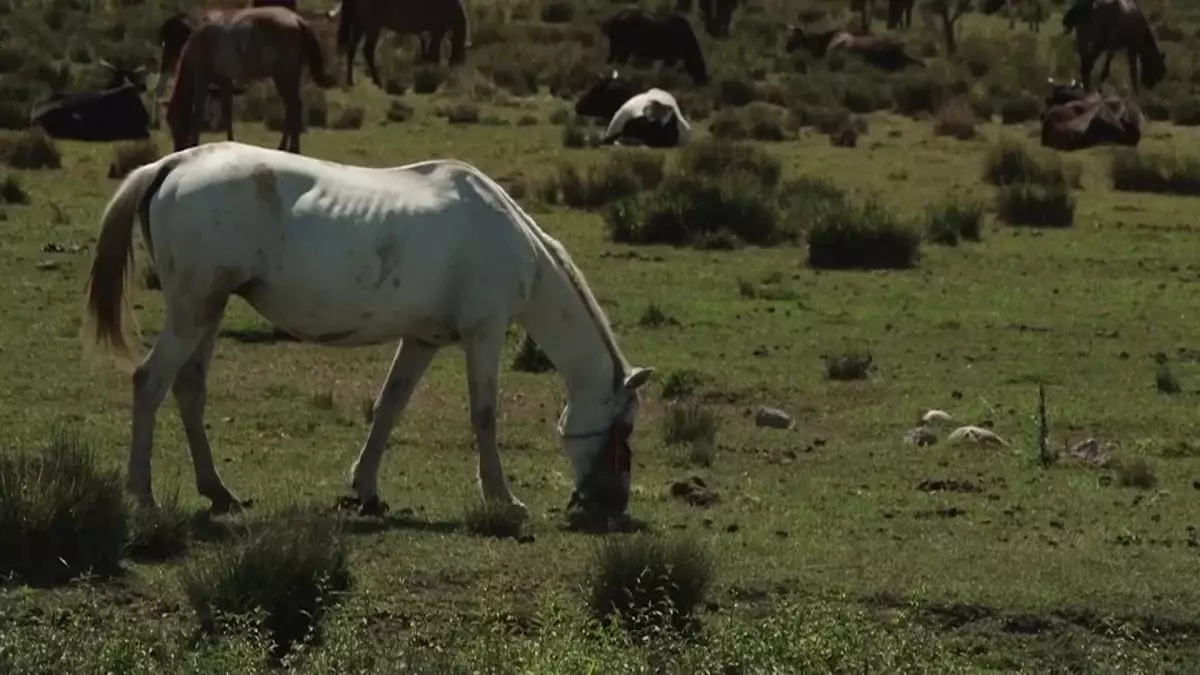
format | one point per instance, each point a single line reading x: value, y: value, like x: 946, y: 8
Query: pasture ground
x: 829, y: 557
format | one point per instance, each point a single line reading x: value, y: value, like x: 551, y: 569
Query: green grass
x: 831, y: 558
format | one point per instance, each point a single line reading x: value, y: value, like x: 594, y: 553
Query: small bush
x: 1009, y: 162
x: 948, y: 223
x: 655, y: 317
x: 848, y: 365
x: 316, y: 109
x: 292, y: 570
x: 682, y: 384
x: 1165, y: 380
x: 1134, y: 171
x: 957, y: 120
x: 867, y: 237
x: 686, y: 422
x: 689, y: 210
x: 462, y: 113
x: 399, y: 111
x: 31, y: 149
x: 531, y: 358
x: 917, y: 94
x: 62, y: 516
x: 649, y: 585
x: 11, y: 191
x: 714, y: 158
x: 1019, y: 109
x: 623, y: 173
x: 488, y: 519
x: 758, y: 121
x: 1137, y: 473
x: 159, y: 534
x: 350, y: 118
x: 575, y: 135
x: 1038, y: 205
x: 1185, y: 112
x: 129, y: 156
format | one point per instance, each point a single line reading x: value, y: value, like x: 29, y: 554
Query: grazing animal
x: 115, y: 113
x: 1103, y: 27
x: 878, y: 51
x: 246, y: 44
x: 606, y: 97
x: 430, y: 254
x: 669, y: 39
x: 652, y: 118
x: 173, y: 33
x: 365, y: 19
x: 1076, y: 118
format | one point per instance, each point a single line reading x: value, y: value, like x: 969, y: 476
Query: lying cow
x: 116, y: 113
x: 606, y: 97
x: 653, y: 118
x: 1076, y: 119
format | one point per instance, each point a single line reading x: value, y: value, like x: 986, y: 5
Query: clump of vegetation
x: 488, y: 519
x: 1009, y: 162
x: 1136, y: 473
x: 159, y: 534
x: 462, y: 112
x: 398, y: 111
x: 852, y: 236
x: 957, y: 120
x: 62, y: 515
x: 129, y: 156
x: 1020, y: 108
x: 1136, y: 171
x: 711, y: 158
x: 290, y: 571
x: 847, y: 365
x: 655, y: 317
x: 351, y: 117
x: 758, y: 121
x: 686, y: 422
x: 1038, y: 205
x: 427, y: 79
x: 31, y: 149
x: 323, y: 400
x: 680, y: 384
x: 647, y: 585
x: 1165, y: 380
x: 531, y: 359
x: 624, y: 173
x: 11, y: 191
x: 954, y: 221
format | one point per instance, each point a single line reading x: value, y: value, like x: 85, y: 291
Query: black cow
x: 606, y: 97
x: 116, y: 113
x: 1061, y: 94
x: 631, y: 32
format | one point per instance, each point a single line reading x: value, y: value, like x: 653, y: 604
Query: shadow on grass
x: 258, y: 335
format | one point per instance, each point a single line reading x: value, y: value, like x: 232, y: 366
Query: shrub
x: 1165, y: 380
x: 682, y: 383
x: 916, y: 94
x: 1134, y: 171
x: 398, y: 111
x: 350, y: 118
x: 159, y: 534
x: 291, y: 570
x: 649, y: 585
x: 1020, y: 108
x: 531, y: 359
x: 129, y: 156
x: 655, y: 317
x: 808, y: 200
x: 866, y: 237
x: 489, y: 519
x: 848, y: 365
x: 714, y: 158
x: 575, y: 135
x: 623, y: 173
x: 947, y: 223
x: 758, y: 121
x: 1040, y: 205
x: 1009, y: 162
x: 31, y: 149
x: 62, y: 516
x: 1185, y: 112
x: 462, y: 112
x: 316, y: 108
x: 11, y: 191
x: 957, y: 120
x: 686, y: 422
x: 1137, y: 473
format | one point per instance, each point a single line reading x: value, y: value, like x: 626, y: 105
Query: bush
x: 849, y: 365
x: 1040, y: 205
x: 62, y: 516
x: 1020, y: 108
x: 866, y: 237
x: 1009, y: 162
x: 682, y: 383
x: 398, y: 111
x: 957, y: 120
x: 488, y: 519
x: 129, y: 156
x: 623, y: 173
x: 808, y: 200
x: 463, y: 112
x: 647, y: 584
x: 655, y: 317
x: 947, y: 223
x: 350, y: 118
x: 917, y: 94
x: 690, y: 423
x: 1137, y: 473
x: 292, y: 570
x: 714, y: 158
x: 11, y: 191
x: 31, y: 149
x: 1134, y: 171
x: 531, y: 359
x: 1185, y: 112
x: 758, y: 121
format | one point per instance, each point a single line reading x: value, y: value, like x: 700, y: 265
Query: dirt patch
x: 948, y: 485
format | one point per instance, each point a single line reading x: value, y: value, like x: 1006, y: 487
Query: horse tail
x: 345, y: 29
x: 458, y: 34
x: 311, y: 46
x: 109, y: 318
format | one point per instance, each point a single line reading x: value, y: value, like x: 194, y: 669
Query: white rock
x: 936, y: 417
x: 773, y: 418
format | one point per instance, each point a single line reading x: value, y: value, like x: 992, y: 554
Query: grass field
x: 833, y: 551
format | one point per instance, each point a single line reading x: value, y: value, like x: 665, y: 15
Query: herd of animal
x: 207, y: 55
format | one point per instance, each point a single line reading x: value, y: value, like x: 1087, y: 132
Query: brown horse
x: 245, y: 44
x: 877, y: 51
x: 1103, y: 27
x: 366, y: 19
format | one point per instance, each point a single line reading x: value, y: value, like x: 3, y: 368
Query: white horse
x: 430, y: 254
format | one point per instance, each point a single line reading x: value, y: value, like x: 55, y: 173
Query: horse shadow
x: 258, y: 335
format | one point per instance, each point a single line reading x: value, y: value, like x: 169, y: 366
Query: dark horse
x: 366, y: 19
x: 245, y: 44
x: 1103, y: 27
x: 633, y: 33
x: 717, y: 15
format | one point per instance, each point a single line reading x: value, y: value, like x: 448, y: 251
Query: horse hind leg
x: 293, y: 113
x: 408, y: 366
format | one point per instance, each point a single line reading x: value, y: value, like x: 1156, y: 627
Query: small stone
x: 773, y: 418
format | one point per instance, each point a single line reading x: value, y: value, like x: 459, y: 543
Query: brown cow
x: 1076, y: 119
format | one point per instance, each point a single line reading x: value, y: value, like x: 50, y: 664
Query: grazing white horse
x: 430, y: 254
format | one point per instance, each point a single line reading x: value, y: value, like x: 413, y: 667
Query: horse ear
x: 637, y: 377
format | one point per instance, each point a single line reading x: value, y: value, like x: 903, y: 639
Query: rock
x: 694, y: 492
x: 773, y: 418
x: 1089, y: 451
x: 972, y: 434
x: 936, y: 417
x: 920, y: 437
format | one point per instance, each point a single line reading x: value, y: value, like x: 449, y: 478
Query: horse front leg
x: 1108, y: 59
x: 483, y: 368
x: 1132, y: 57
x: 351, y: 48
x: 408, y: 366
x: 372, y: 39
x: 1087, y: 61
x: 226, y: 85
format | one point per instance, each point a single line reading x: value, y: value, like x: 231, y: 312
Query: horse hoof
x: 230, y: 505
x: 373, y: 506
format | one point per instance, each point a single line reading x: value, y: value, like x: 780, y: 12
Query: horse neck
x: 564, y: 321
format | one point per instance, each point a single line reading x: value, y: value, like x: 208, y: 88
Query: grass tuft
x: 129, y: 156
x: 647, y: 585
x: 31, y: 149
x: 488, y: 519
x: 848, y: 365
x: 159, y: 534
x: 688, y: 422
x: 1137, y: 171
x: 954, y: 221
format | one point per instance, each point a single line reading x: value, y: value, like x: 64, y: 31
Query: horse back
x: 251, y: 42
